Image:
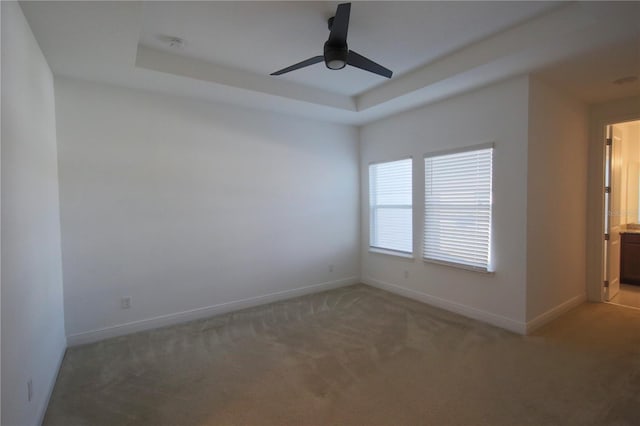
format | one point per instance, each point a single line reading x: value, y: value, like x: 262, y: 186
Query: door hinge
x: 606, y: 283
x: 607, y: 190
x: 606, y: 237
x: 609, y: 141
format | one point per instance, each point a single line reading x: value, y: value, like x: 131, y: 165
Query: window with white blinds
x: 391, y: 206
x: 457, y: 208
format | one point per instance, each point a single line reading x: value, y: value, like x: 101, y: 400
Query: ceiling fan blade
x: 356, y: 60
x: 299, y: 65
x: 340, y: 24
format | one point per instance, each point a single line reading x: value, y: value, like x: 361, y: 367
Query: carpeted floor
x: 358, y: 356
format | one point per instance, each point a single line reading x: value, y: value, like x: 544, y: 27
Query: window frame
x: 372, y: 211
x: 490, y: 269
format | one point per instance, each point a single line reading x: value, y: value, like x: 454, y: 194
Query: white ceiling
x: 590, y: 76
x: 436, y: 49
x: 262, y: 37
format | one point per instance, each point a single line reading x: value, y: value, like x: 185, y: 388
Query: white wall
x: 33, y: 339
x: 493, y: 114
x: 630, y: 159
x: 556, y: 203
x: 184, y: 205
x: 600, y: 115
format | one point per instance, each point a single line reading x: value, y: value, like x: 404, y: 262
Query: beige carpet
x: 358, y: 356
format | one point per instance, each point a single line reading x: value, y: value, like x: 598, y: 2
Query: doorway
x: 622, y: 214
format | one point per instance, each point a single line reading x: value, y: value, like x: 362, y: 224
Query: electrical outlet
x: 330, y: 268
x: 29, y: 390
x: 406, y: 275
x: 125, y: 302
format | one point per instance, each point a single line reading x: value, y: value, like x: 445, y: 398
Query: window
x: 391, y: 206
x: 457, y: 208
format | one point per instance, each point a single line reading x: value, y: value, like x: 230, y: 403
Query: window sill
x: 459, y: 266
x: 392, y: 253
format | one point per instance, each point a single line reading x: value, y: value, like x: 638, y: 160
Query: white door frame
x: 612, y: 244
x: 599, y: 121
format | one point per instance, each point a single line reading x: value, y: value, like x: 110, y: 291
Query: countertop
x: 630, y: 231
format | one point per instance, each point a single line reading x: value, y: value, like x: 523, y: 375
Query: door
x: 614, y: 212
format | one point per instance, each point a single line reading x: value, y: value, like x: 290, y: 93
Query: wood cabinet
x: 630, y: 258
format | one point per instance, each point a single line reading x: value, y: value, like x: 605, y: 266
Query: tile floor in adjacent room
x: 629, y: 295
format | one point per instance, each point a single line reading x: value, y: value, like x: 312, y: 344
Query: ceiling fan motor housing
x: 335, y: 56
x: 336, y: 52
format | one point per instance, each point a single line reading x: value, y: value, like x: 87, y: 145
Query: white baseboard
x: 52, y: 385
x: 555, y: 312
x: 458, y: 308
x: 207, y: 311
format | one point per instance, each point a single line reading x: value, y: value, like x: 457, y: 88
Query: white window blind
x: 457, y: 208
x: 391, y: 206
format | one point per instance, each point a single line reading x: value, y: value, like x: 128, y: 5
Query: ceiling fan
x: 336, y: 52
